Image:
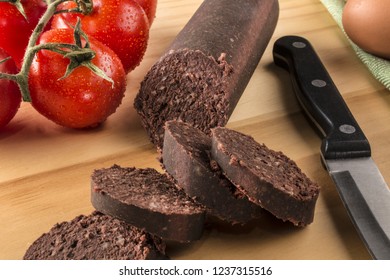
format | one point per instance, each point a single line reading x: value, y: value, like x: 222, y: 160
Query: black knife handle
x: 318, y: 95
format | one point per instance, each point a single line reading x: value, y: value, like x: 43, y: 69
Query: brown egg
x: 367, y: 24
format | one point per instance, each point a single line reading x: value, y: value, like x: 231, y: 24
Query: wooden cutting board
x: 45, y: 169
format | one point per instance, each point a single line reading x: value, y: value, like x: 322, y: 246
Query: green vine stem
x: 72, y: 51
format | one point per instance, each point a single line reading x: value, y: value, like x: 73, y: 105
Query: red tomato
x: 10, y: 97
x: 122, y: 25
x: 150, y: 7
x: 82, y: 99
x: 15, y: 30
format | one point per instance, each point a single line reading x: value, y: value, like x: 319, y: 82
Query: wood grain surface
x: 45, y: 169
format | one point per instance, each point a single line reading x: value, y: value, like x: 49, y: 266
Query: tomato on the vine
x: 15, y: 29
x: 82, y: 99
x: 10, y: 97
x: 150, y: 7
x: 122, y: 25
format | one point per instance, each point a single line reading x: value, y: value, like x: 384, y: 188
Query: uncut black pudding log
x: 204, y: 72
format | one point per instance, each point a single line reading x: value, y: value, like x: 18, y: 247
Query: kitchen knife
x: 345, y: 150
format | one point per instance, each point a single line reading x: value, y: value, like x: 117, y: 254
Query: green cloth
x: 379, y: 67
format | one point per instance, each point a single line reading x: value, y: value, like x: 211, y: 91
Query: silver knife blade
x: 366, y: 197
x: 345, y: 149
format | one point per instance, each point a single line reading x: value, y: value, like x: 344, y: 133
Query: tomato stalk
x: 83, y: 6
x: 77, y: 54
x: 18, y: 6
x: 22, y: 77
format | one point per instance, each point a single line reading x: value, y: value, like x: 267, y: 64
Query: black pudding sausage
x: 202, y: 75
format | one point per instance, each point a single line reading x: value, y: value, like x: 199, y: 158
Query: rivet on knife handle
x: 313, y: 86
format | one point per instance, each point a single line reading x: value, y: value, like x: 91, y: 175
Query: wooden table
x: 45, y: 169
